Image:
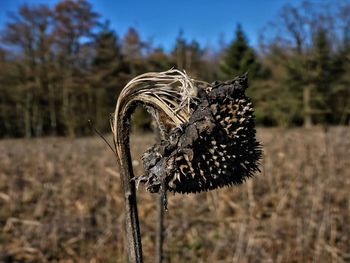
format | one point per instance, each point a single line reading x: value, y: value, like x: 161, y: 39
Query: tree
x: 28, y: 35
x: 321, y: 74
x: 341, y: 87
x: 179, y: 52
x: 308, y: 34
x: 158, y: 60
x: 107, y: 75
x: 188, y: 56
x: 239, y: 58
x: 74, y: 26
x: 10, y: 107
x: 132, y: 50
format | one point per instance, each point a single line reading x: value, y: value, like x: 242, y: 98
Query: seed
x: 179, y: 158
x: 182, y: 167
x: 178, y: 177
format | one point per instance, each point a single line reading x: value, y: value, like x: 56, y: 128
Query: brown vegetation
x: 60, y: 199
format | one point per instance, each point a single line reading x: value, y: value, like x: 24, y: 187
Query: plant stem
x: 133, y: 236
x: 159, y: 229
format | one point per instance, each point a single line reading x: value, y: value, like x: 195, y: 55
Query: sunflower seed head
x: 214, y: 148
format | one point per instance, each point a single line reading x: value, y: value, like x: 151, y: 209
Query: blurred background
x: 64, y: 62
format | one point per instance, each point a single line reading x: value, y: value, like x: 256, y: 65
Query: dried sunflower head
x: 213, y: 147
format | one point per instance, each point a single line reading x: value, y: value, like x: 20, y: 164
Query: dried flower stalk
x: 208, y: 138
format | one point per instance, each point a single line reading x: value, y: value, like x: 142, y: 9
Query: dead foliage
x: 60, y: 200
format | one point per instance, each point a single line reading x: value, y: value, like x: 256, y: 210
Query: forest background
x: 62, y: 65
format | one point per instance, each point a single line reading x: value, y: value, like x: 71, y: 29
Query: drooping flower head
x: 211, y: 140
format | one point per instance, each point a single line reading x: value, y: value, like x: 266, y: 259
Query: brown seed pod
x: 214, y: 148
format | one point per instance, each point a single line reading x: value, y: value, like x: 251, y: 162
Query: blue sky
x: 161, y: 21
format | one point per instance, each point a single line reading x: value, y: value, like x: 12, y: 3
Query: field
x: 60, y: 200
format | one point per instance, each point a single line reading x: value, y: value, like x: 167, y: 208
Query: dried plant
x: 60, y: 200
x: 208, y: 138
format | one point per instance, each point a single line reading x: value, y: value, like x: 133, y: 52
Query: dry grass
x: 60, y: 199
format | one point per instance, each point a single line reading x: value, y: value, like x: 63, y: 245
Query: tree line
x: 61, y: 66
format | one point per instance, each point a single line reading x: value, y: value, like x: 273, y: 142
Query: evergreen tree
x: 340, y: 92
x: 239, y: 58
x: 320, y: 77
